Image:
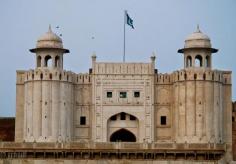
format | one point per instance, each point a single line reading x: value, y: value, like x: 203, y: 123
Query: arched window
x: 48, y: 61
x: 57, y: 61
x: 198, y: 61
x: 39, y: 61
x: 207, y: 61
x: 189, y: 61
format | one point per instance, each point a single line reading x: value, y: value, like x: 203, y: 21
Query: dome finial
x: 49, y: 28
x: 198, y: 28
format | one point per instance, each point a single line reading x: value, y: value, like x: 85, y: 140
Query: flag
x: 129, y: 21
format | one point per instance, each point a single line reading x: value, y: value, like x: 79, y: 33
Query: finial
x: 94, y: 56
x: 153, y: 57
x: 49, y: 28
x: 198, y: 29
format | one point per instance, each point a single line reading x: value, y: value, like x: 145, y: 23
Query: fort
x: 125, y: 111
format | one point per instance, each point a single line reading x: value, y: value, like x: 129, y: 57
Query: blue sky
x: 160, y: 26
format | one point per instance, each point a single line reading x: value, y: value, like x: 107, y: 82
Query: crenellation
x: 83, y: 78
x: 164, y: 78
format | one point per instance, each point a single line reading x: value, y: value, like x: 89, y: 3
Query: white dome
x: 197, y: 40
x: 197, y: 35
x: 49, y: 40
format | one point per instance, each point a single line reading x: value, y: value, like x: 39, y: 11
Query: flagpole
x: 124, y: 35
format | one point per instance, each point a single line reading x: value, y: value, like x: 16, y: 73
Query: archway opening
x: 39, y: 61
x: 57, y: 61
x: 189, y: 61
x: 207, y: 61
x: 123, y: 135
x: 48, y: 61
x: 198, y: 61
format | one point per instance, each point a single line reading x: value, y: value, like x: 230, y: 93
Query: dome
x: 49, y: 40
x: 197, y: 40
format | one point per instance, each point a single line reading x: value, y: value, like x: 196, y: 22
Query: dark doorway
x: 123, y: 135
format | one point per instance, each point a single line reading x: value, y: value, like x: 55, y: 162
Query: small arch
x: 204, y: 76
x: 207, y: 60
x: 198, y: 61
x: 189, y: 61
x: 39, y: 61
x: 48, y: 61
x: 57, y: 61
x: 41, y: 76
x: 33, y: 76
x: 50, y: 76
x: 59, y: 76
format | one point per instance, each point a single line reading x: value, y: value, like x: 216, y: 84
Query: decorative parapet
x: 94, y: 150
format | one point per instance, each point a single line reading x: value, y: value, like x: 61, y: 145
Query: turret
x: 197, y: 51
x: 49, y: 51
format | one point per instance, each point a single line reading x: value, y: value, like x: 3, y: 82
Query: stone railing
x: 96, y: 150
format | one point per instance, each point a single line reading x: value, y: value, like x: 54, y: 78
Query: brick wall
x: 7, y: 129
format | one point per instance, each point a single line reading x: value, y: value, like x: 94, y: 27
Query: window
x: 113, y: 118
x: 123, y: 95
x: 122, y: 116
x: 136, y: 94
x: 163, y: 120
x: 132, y: 118
x: 109, y: 94
x: 82, y: 120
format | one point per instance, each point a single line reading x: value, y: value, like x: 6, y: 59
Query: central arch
x: 123, y: 135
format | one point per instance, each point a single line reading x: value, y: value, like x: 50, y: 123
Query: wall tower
x: 48, y: 104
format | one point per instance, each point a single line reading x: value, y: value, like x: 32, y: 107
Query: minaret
x: 197, y: 51
x: 49, y: 51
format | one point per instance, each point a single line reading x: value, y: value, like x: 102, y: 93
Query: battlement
x: 123, y: 68
x: 47, y: 74
x: 83, y: 78
x: 54, y: 75
x: 20, y: 76
x: 202, y: 75
x: 163, y: 78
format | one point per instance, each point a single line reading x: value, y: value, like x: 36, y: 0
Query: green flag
x: 129, y: 21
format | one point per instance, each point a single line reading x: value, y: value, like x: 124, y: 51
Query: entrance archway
x: 123, y: 135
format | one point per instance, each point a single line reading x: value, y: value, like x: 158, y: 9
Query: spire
x: 198, y: 29
x: 49, y: 28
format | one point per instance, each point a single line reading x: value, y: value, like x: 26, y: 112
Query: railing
x: 96, y: 150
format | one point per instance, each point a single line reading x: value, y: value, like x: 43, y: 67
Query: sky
x: 89, y: 26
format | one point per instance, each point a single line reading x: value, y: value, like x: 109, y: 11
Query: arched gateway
x: 122, y: 127
x: 123, y: 135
